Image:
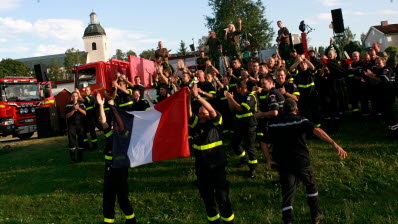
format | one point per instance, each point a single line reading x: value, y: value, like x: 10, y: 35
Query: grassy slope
x: 37, y: 185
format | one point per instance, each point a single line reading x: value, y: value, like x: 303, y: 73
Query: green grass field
x: 38, y: 185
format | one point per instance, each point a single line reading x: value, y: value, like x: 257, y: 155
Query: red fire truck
x: 20, y: 98
x: 99, y: 75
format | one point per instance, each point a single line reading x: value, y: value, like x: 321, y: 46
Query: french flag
x: 160, y: 133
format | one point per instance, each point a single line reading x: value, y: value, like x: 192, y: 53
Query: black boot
x: 316, y: 213
x: 72, y: 155
x: 79, y: 154
x: 316, y: 218
x: 131, y: 221
x: 217, y: 221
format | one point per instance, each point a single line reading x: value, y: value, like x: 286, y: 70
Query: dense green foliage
x: 38, y: 185
x: 148, y: 54
x: 255, y: 27
x: 10, y: 67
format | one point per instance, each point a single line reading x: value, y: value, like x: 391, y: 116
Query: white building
x: 385, y: 34
x: 95, y: 41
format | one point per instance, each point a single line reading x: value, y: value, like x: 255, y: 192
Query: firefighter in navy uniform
x: 290, y: 157
x: 115, y: 179
x: 123, y: 96
x: 286, y: 88
x: 210, y: 160
x: 140, y: 104
x: 304, y: 76
x: 244, y: 108
x: 382, y: 79
x: 75, y: 112
x: 91, y: 117
x: 271, y: 105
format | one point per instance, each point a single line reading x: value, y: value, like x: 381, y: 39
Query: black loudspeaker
x: 337, y: 20
x: 41, y: 72
x: 47, y: 122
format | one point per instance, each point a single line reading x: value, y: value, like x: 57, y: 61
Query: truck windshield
x: 86, y: 77
x: 19, y: 92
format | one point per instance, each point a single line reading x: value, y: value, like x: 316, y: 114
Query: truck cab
x: 20, y: 97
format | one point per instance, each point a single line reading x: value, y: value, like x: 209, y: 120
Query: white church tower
x: 95, y: 41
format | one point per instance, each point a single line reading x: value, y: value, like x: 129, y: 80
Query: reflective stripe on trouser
x: 245, y: 136
x: 130, y: 216
x: 289, y: 181
x: 106, y: 220
x: 116, y: 185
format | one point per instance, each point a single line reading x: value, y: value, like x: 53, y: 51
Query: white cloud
x: 319, y: 18
x: 3, y: 40
x: 330, y: 3
x: 388, y: 12
x: 60, y: 29
x: 9, y: 4
x: 10, y: 26
x: 125, y: 40
x: 49, y: 49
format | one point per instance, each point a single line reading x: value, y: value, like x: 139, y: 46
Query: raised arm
x: 204, y: 103
x: 102, y: 117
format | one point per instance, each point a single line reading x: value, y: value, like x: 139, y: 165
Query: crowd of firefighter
x: 245, y: 97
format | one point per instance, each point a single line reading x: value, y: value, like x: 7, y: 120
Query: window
x: 389, y: 39
x: 86, y: 77
x: 94, y: 46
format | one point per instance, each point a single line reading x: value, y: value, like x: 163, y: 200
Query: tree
x: 390, y: 49
x: 120, y: 55
x: 352, y: 46
x: 255, y: 26
x: 55, y: 72
x: 148, y: 54
x: 130, y: 52
x: 183, y: 50
x: 201, y: 44
x: 12, y: 67
x: 72, y: 57
x: 346, y: 38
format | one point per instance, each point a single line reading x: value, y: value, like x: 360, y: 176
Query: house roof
x: 388, y: 29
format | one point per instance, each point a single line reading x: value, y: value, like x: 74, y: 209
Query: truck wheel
x: 25, y: 136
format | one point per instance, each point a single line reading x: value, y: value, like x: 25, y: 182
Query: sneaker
x: 318, y: 218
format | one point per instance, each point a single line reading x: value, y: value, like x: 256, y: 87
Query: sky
x: 30, y: 28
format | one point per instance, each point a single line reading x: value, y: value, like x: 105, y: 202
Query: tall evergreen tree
x: 183, y: 50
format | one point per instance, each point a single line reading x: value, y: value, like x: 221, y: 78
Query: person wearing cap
x: 210, y: 160
x: 291, y: 158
